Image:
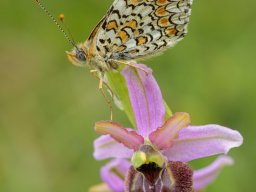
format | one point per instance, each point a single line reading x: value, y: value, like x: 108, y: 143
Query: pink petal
x: 106, y: 147
x: 207, y: 175
x: 202, y: 141
x: 164, y: 136
x: 129, y: 138
x: 114, y: 172
x: 146, y: 99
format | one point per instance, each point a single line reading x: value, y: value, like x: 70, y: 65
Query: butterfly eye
x: 80, y: 55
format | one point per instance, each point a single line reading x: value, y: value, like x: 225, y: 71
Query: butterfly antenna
x: 61, y: 18
x: 70, y: 40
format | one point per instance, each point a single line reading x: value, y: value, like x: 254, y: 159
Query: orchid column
x: 154, y: 155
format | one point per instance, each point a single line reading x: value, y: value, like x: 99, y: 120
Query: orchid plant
x: 155, y: 155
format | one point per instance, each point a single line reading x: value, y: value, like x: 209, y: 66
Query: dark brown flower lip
x: 174, y: 177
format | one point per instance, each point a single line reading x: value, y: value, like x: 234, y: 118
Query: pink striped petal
x: 207, y: 175
x: 129, y: 138
x: 106, y: 147
x: 114, y: 172
x: 164, y: 136
x: 202, y: 141
x: 146, y: 99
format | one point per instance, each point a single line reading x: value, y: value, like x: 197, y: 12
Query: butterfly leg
x: 128, y: 64
x: 94, y: 73
x: 101, y: 83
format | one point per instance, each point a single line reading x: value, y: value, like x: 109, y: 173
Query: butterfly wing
x: 138, y: 28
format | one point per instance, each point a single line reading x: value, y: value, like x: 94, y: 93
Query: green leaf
x: 168, y: 111
x: 118, y: 85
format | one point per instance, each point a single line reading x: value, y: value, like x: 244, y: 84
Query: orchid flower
x: 155, y: 156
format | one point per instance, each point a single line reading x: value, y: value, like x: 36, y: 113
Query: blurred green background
x: 48, y: 107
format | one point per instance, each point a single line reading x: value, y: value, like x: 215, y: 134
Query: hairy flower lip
x: 175, y: 176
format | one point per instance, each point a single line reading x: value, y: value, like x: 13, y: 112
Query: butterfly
x: 131, y: 30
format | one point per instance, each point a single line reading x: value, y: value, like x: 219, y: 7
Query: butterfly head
x: 77, y: 56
